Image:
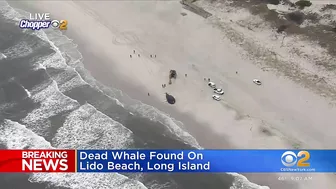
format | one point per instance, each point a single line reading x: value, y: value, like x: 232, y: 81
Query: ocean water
x: 49, y: 100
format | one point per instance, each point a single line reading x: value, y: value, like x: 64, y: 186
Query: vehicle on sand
x: 216, y: 97
x: 257, y: 81
x: 212, y: 84
x: 218, y: 91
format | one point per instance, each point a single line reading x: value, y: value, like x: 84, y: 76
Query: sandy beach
x: 278, y: 114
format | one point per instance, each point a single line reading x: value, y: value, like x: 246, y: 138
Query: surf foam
x: 52, y: 101
x: 90, y: 180
x: 17, y: 136
x: 87, y: 128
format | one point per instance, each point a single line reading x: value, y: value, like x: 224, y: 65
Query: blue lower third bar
x: 212, y: 161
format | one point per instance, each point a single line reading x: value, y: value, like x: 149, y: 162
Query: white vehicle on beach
x: 216, y: 97
x: 218, y: 91
x: 257, y: 81
x: 212, y: 84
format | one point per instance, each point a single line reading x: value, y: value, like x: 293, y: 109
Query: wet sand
x: 190, y: 45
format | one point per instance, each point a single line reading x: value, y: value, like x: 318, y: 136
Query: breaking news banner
x: 37, y: 160
x: 212, y: 161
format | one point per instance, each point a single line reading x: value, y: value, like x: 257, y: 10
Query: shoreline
x: 127, y: 85
x: 187, y: 119
x: 262, y: 179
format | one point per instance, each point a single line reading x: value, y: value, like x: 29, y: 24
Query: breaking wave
x: 49, y: 113
x: 83, y: 127
x: 17, y: 136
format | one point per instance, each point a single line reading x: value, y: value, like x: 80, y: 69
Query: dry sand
x: 277, y: 114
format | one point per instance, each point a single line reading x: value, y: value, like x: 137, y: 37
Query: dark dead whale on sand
x: 170, y: 99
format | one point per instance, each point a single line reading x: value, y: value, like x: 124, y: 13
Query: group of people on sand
x: 134, y: 53
x: 139, y: 55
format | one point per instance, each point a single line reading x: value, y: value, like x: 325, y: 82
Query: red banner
x: 37, y: 161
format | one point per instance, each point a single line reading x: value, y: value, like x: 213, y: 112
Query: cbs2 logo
x: 300, y: 159
x: 62, y: 25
